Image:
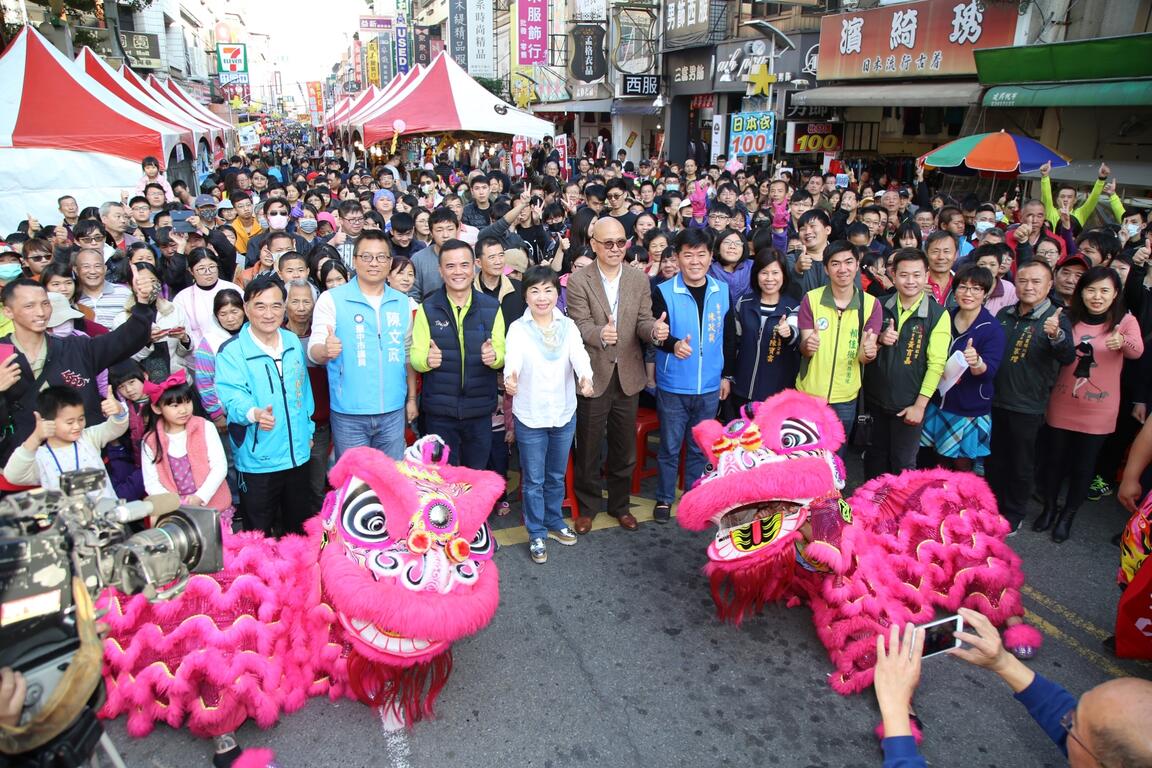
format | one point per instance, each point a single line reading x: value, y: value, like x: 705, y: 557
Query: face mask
x: 428, y: 189
x: 672, y: 187
x: 278, y: 220
x: 1132, y: 229
x: 262, y: 221
x: 10, y: 271
x: 558, y: 227
x: 62, y: 330
x: 307, y: 226
x: 983, y: 226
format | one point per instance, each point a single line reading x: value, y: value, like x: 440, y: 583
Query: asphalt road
x: 611, y: 655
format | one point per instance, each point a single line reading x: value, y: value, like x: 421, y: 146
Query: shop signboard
x: 751, y: 133
x: 690, y: 72
x: 685, y: 23
x: 143, y: 50
x: 375, y: 23
x: 929, y: 38
x: 589, y: 63
x: 481, y: 39
x: 531, y: 32
x: 231, y: 57
x: 641, y: 85
x: 458, y: 32
x: 801, y: 112
x: 813, y: 137
x: 422, y: 48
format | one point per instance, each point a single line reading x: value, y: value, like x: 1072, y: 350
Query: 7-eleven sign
x: 231, y: 57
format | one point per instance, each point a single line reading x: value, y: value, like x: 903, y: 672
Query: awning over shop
x: 635, y: 107
x: 921, y: 94
x: 1087, y: 94
x: 592, y: 105
x: 1127, y: 57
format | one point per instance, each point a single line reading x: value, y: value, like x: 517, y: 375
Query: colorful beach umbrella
x: 1000, y: 155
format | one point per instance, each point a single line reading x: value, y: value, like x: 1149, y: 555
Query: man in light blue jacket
x: 262, y: 382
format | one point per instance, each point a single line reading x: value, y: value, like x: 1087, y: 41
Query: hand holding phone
x: 940, y: 635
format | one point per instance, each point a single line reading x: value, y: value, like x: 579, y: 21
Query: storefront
x: 691, y: 104
x: 902, y: 78
x: 1088, y: 99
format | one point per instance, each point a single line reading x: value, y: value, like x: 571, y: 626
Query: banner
x: 751, y: 133
x: 519, y: 150
x: 421, y: 49
x: 357, y: 63
x: 458, y: 32
x: 372, y: 63
x: 400, y: 30
x: 813, y: 137
x: 481, y: 39
x: 532, y: 32
x: 929, y: 38
x: 521, y: 82
x: 685, y: 23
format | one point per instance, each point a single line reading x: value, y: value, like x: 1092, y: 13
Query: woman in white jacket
x: 545, y: 355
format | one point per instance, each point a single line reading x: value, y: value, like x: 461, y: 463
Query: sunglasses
x: 613, y: 245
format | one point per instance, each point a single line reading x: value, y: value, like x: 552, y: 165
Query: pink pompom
x: 255, y: 758
x: 1022, y: 636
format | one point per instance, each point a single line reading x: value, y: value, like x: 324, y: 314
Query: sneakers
x: 1099, y: 489
x: 565, y: 536
x: 662, y: 512
x: 538, y: 550
x: 1015, y: 529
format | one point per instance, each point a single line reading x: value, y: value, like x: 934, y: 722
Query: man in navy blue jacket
x: 1108, y: 726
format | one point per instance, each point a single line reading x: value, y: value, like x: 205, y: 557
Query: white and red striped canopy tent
x: 173, y: 104
x: 63, y: 133
x: 445, y: 99
x: 197, y: 109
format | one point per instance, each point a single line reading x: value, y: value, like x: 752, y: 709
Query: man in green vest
x: 913, y: 349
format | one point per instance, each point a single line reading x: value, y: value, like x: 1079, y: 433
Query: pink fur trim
x: 255, y: 758
x: 1022, y: 636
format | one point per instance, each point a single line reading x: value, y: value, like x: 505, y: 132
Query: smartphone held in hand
x: 940, y: 635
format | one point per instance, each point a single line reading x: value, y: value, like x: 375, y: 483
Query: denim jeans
x: 678, y: 414
x: 469, y: 441
x: 543, y: 462
x: 846, y: 413
x: 382, y: 431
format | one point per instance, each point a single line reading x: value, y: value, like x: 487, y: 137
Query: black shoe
x: 1063, y: 528
x: 1044, y: 522
x: 662, y: 512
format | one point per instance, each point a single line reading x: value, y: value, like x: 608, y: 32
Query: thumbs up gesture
x: 971, y: 356
x: 868, y: 345
x: 661, y: 330
x: 1115, y: 340
x: 803, y: 262
x: 332, y: 346
x: 45, y: 428
x: 110, y: 406
x: 683, y: 348
x: 1052, y: 324
x: 810, y: 344
x: 487, y: 352
x: 511, y: 381
x: 434, y: 355
x: 608, y: 334
x: 783, y: 330
x: 265, y: 420
x: 889, y: 336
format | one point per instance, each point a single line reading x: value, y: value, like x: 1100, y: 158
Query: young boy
x: 60, y: 442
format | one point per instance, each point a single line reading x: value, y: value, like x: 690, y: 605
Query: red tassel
x: 411, y: 691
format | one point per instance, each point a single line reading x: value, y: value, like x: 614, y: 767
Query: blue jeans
x: 469, y: 441
x: 543, y: 462
x: 678, y: 414
x: 382, y: 431
x: 846, y: 413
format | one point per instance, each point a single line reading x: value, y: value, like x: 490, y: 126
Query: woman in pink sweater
x: 1085, y: 401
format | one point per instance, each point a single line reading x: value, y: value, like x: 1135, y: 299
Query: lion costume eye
x: 363, y: 516
x: 795, y: 433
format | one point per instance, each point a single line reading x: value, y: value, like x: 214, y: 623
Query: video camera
x: 49, y: 537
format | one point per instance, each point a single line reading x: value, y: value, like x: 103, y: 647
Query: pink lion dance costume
x: 900, y: 549
x: 397, y: 567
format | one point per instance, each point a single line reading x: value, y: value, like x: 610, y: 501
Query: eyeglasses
x: 374, y: 258
x: 969, y: 288
x: 206, y: 270
x: 613, y: 245
x: 91, y: 239
x: 615, y: 195
x: 39, y: 257
x: 1068, y: 722
x: 353, y: 219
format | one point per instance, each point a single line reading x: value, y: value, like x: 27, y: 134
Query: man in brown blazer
x: 612, y: 307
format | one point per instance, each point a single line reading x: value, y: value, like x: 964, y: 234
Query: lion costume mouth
x: 750, y: 528
x: 388, y: 642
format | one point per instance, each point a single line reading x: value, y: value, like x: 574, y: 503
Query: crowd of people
x: 242, y: 335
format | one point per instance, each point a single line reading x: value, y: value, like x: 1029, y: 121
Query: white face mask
x: 1132, y: 229
x: 307, y: 226
x: 278, y: 220
x: 983, y: 226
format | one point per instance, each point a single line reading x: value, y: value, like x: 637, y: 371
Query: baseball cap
x: 515, y: 260
x: 1073, y: 260
x: 203, y: 201
x: 220, y: 206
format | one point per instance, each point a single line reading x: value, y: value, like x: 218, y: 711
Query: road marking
x: 1054, y: 632
x: 395, y: 739
x: 1076, y: 620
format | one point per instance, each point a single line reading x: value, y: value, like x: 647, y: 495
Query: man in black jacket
x: 74, y: 361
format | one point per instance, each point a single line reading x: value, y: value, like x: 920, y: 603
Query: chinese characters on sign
x: 589, y: 63
x: 641, y: 85
x: 532, y: 32
x: 751, y: 133
x: 481, y: 39
x: 919, y: 39
x: 803, y: 112
x: 458, y: 31
x: 685, y: 22
x: 375, y: 23
x: 421, y: 46
x: 814, y: 137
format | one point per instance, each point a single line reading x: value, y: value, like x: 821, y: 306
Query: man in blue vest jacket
x: 458, y: 344
x: 692, y: 376
x: 362, y: 330
x: 262, y: 382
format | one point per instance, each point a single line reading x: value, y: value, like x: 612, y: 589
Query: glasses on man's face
x: 613, y: 245
x: 353, y: 219
x: 374, y: 258
x: 90, y: 239
x: 1068, y: 723
x: 615, y: 195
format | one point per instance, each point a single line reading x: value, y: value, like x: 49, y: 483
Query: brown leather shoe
x: 627, y: 521
x: 582, y: 524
